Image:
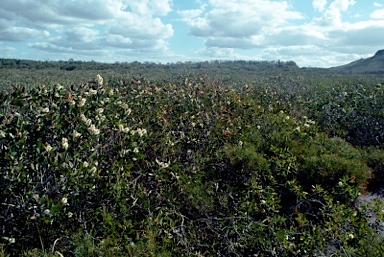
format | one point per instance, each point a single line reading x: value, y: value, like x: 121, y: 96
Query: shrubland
x: 192, y: 166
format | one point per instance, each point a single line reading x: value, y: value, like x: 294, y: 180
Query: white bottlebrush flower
x: 47, y: 212
x: 59, y: 87
x: 64, y: 200
x: 2, y: 133
x: 99, y: 80
x: 11, y: 240
x: 110, y: 93
x: 297, y: 129
x: 83, y: 118
x: 311, y: 122
x: 162, y: 165
x: 307, y: 125
x: 141, y: 132
x: 93, y: 170
x: 36, y: 197
x: 100, y: 118
x: 136, y: 150
x: 87, y: 121
x: 64, y: 143
x: 340, y: 184
x: 99, y: 110
x: 70, y: 214
x: 47, y: 147
x: 92, y: 91
x: 76, y: 134
x: 124, y: 106
x: 85, y: 164
x: 351, y: 236
x: 94, y: 130
x: 81, y: 102
x: 123, y: 129
x: 45, y: 110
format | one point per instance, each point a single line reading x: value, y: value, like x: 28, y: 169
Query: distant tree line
x: 93, y: 65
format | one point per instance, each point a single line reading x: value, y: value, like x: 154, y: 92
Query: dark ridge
x: 371, y: 65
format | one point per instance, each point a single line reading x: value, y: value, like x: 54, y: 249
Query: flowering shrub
x: 186, y: 168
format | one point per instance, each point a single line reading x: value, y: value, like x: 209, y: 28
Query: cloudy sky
x: 315, y: 33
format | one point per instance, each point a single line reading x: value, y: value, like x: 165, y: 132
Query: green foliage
x: 183, y: 168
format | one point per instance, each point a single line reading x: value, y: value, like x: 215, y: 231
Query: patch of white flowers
x: 47, y: 147
x: 81, y: 102
x: 87, y: 121
x: 99, y: 80
x: 93, y: 130
x: 141, y: 132
x: 123, y: 129
x: 59, y: 87
x: 64, y: 143
x: 45, y: 110
x: 163, y: 165
x: 76, y: 134
x: 64, y: 200
x: 92, y: 91
x: 11, y: 240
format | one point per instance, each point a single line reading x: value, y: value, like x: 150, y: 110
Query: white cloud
x: 5, y: 50
x: 216, y: 52
x: 376, y: 4
x: 238, y: 24
x: 319, y: 5
x: 87, y: 25
x: 378, y: 14
x: 332, y: 16
x: 142, y: 7
x: 17, y: 34
x: 297, y: 35
x: 359, y: 34
x: 189, y: 15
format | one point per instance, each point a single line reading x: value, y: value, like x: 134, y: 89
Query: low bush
x: 193, y: 169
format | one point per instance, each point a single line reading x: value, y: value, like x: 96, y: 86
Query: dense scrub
x: 190, y: 168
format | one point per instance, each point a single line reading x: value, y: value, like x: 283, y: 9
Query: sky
x: 313, y: 33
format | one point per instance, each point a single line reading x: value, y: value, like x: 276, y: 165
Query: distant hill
x: 371, y: 65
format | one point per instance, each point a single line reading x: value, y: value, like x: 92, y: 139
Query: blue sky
x: 313, y: 33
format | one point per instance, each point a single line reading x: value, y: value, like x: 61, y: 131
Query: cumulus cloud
x: 359, y: 34
x: 319, y: 5
x: 216, y: 52
x: 238, y: 23
x: 273, y: 29
x: 297, y: 36
x: 17, y: 34
x: 332, y: 16
x: 5, y: 50
x: 87, y: 26
x: 378, y: 14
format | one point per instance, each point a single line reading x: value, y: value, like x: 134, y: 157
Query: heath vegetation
x: 202, y: 159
